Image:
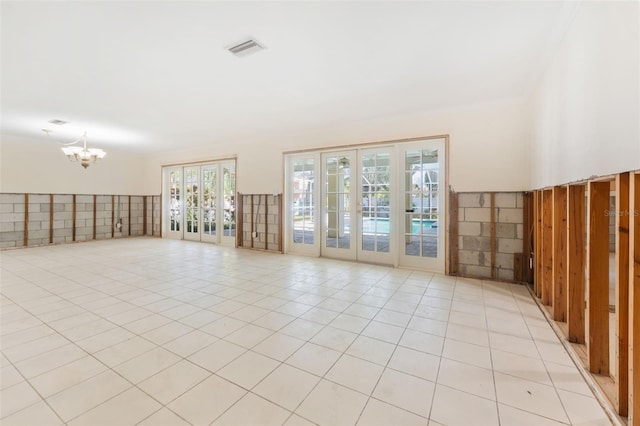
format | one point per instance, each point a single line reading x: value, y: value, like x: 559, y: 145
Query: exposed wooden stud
x: 73, y: 219
x: 547, y: 247
x: 129, y: 217
x: 113, y: 216
x: 144, y: 215
x: 266, y: 222
x: 622, y: 293
x: 252, y: 221
x: 492, y: 225
x: 527, y: 237
x: 576, y: 262
x: 598, y: 278
x: 153, y: 215
x: 26, y: 220
x: 559, y: 253
x: 95, y: 210
x: 453, y: 235
x: 634, y: 300
x: 537, y: 272
x: 50, y: 218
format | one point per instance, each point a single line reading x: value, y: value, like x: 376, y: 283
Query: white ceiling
x: 155, y: 75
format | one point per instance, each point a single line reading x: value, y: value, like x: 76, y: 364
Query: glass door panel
x: 374, y: 207
x: 209, y: 203
x: 173, y: 209
x: 339, y: 220
x: 423, y: 225
x: 229, y: 209
x: 192, y: 201
x: 303, y: 200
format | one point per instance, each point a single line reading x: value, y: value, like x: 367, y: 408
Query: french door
x: 374, y: 204
x: 200, y: 202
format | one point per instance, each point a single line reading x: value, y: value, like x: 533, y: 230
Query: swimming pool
x: 381, y: 225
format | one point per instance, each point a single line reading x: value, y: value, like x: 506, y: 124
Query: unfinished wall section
x: 40, y: 219
x: 260, y: 226
x: 490, y: 234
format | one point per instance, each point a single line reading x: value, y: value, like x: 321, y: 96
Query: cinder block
x: 477, y: 215
x: 505, y: 200
x: 504, y: 260
x: 34, y: 207
x: 472, y: 229
x: 11, y: 236
x: 7, y: 244
x: 11, y: 217
x: 486, y: 229
x: 476, y: 243
x: 472, y: 199
x: 510, y: 215
x: 19, y: 208
x: 84, y: 199
x: 475, y: 271
x: 505, y: 230
x: 7, y: 227
x: 509, y: 245
x: 38, y: 198
x: 6, y: 208
x: 520, y: 231
x: 519, y: 200
x: 11, y: 198
x: 505, y: 274
x: 470, y: 257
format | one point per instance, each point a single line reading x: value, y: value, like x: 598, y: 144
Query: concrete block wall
x: 43, y: 230
x: 474, y: 233
x: 267, y: 227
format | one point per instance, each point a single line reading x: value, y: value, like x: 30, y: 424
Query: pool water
x: 381, y: 226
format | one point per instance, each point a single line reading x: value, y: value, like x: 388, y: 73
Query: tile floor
x: 159, y: 332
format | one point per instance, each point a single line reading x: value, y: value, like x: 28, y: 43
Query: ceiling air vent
x: 57, y: 122
x: 245, y: 48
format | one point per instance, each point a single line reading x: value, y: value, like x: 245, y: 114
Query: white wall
x: 489, y: 148
x: 41, y: 167
x: 585, y: 110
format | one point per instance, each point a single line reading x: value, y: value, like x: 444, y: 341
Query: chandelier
x: 84, y: 155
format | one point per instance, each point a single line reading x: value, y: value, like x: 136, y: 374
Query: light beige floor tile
x: 274, y: 320
x: 567, y: 378
x: 319, y: 315
x: 248, y: 369
x: 17, y: 397
x: 405, y: 391
x: 217, y: 355
x: 302, y: 329
x: 10, y: 340
x: 423, y: 342
x: 104, y: 340
x: 332, y: 404
x: 200, y: 318
x: 128, y: 408
x: 167, y: 332
x: 370, y: 349
x: 333, y: 338
x: 520, y: 366
x: 519, y: 345
x: 554, y: 352
x: 529, y: 396
x: 355, y: 373
x: 173, y: 381
x: 583, y: 410
x: 296, y: 420
x: 468, y: 334
x: 38, y: 414
x: 223, y: 326
x: 249, y: 313
x: 279, y: 346
x: 214, y: 393
x: 35, y: 347
x: 455, y: 408
x: 68, y: 375
x: 350, y: 323
x: 147, y: 323
x: 163, y: 417
x: 479, y: 356
x: 314, y: 359
x: 248, y: 336
x: 190, y: 343
x: 124, y: 351
x: 378, y: 413
x: 427, y: 325
x: 286, y: 386
x: 86, y: 330
x: 49, y: 360
x: 510, y: 416
x: 9, y: 376
x: 415, y: 363
x: 84, y: 396
x: 253, y: 410
x: 381, y: 331
x: 146, y: 365
x: 467, y: 378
